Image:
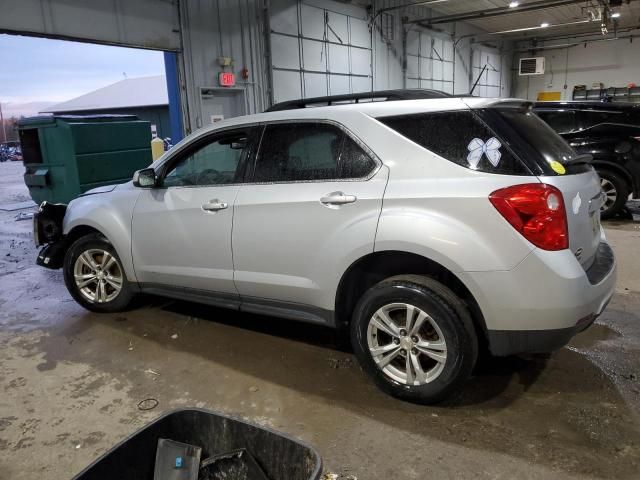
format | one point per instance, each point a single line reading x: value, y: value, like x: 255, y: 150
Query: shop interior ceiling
x: 526, y: 19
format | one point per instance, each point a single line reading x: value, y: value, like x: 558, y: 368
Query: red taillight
x: 536, y: 210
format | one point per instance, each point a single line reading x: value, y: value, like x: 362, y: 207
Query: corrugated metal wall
x: 319, y: 48
x: 490, y: 82
x: 303, y: 48
x: 139, y: 23
x: 324, y: 47
x: 222, y: 28
x: 429, y: 61
x: 388, y: 43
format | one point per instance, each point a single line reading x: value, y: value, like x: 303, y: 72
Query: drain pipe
x: 570, y: 45
x: 267, y: 49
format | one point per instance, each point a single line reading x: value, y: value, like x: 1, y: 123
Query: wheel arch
x: 80, y: 231
x: 79, y: 228
x: 377, y: 266
x: 109, y: 214
x: 600, y: 164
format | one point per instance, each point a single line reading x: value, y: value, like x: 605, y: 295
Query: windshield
x: 535, y: 142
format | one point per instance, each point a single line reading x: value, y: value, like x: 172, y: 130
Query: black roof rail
x: 380, y: 95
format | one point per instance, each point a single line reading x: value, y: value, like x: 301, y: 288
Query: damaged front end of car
x: 47, y: 232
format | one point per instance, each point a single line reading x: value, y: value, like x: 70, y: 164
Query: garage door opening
x: 61, y: 77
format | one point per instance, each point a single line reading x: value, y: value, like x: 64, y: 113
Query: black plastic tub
x: 279, y: 456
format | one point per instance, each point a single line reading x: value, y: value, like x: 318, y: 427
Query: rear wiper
x: 584, y: 158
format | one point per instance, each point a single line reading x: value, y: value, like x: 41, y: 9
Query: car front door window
x: 214, y: 163
x: 181, y: 232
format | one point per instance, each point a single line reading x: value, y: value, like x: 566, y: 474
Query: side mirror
x: 145, y: 178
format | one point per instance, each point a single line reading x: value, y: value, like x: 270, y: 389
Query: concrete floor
x: 70, y: 383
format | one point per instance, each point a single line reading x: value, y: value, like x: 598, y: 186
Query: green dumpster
x: 67, y: 155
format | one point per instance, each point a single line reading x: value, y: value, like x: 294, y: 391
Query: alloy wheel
x: 98, y: 275
x: 610, y: 192
x: 406, y: 344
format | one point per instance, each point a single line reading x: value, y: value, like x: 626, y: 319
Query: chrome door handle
x: 337, y: 198
x: 214, y: 206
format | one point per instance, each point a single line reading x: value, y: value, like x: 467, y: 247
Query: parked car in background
x: 426, y: 228
x: 610, y: 132
x: 7, y: 150
x: 16, y: 154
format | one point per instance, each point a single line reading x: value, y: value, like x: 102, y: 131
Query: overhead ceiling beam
x: 422, y: 3
x: 495, y: 12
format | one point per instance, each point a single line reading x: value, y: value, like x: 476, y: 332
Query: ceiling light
x: 613, y: 15
x: 544, y: 24
x: 513, y: 4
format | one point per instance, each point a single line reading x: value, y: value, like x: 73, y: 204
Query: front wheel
x: 415, y: 338
x: 94, y: 275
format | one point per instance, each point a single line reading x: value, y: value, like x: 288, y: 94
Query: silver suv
x: 430, y: 229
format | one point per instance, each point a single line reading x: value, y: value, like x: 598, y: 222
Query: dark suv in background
x: 610, y: 132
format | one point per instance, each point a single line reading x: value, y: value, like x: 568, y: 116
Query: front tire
x: 415, y: 338
x: 94, y: 275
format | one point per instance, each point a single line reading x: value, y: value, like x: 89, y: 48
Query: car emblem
x: 577, y: 201
x: 578, y: 253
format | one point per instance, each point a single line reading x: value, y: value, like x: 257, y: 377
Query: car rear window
x: 536, y: 143
x: 507, y: 141
x: 461, y: 137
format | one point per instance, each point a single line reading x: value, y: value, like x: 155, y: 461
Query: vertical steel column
x: 173, y: 90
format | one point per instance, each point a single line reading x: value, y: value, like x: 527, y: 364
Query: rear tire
x: 94, y: 275
x: 422, y: 365
x: 617, y: 191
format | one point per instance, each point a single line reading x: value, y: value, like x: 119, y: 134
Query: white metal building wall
x: 223, y: 28
x: 139, y: 23
x: 612, y: 63
x: 319, y: 49
x: 491, y: 81
x: 429, y: 61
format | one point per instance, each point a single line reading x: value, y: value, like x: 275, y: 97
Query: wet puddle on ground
x: 595, y: 334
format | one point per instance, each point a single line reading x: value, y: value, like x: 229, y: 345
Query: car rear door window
x: 309, y: 152
x: 354, y: 161
x: 460, y: 137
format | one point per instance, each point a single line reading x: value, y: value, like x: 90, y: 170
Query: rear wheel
x: 415, y: 338
x: 616, y: 191
x: 94, y: 275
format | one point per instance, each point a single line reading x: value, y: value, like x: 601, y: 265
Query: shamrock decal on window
x: 490, y: 148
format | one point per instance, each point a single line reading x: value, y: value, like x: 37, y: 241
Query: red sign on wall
x: 227, y: 79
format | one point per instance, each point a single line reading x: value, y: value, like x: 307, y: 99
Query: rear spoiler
x: 580, y: 159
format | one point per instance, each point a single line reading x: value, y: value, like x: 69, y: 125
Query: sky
x: 38, y: 70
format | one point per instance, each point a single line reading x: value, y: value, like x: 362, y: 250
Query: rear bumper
x: 543, y: 302
x: 510, y: 342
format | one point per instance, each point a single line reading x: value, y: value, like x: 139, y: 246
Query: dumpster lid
x: 44, y: 120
